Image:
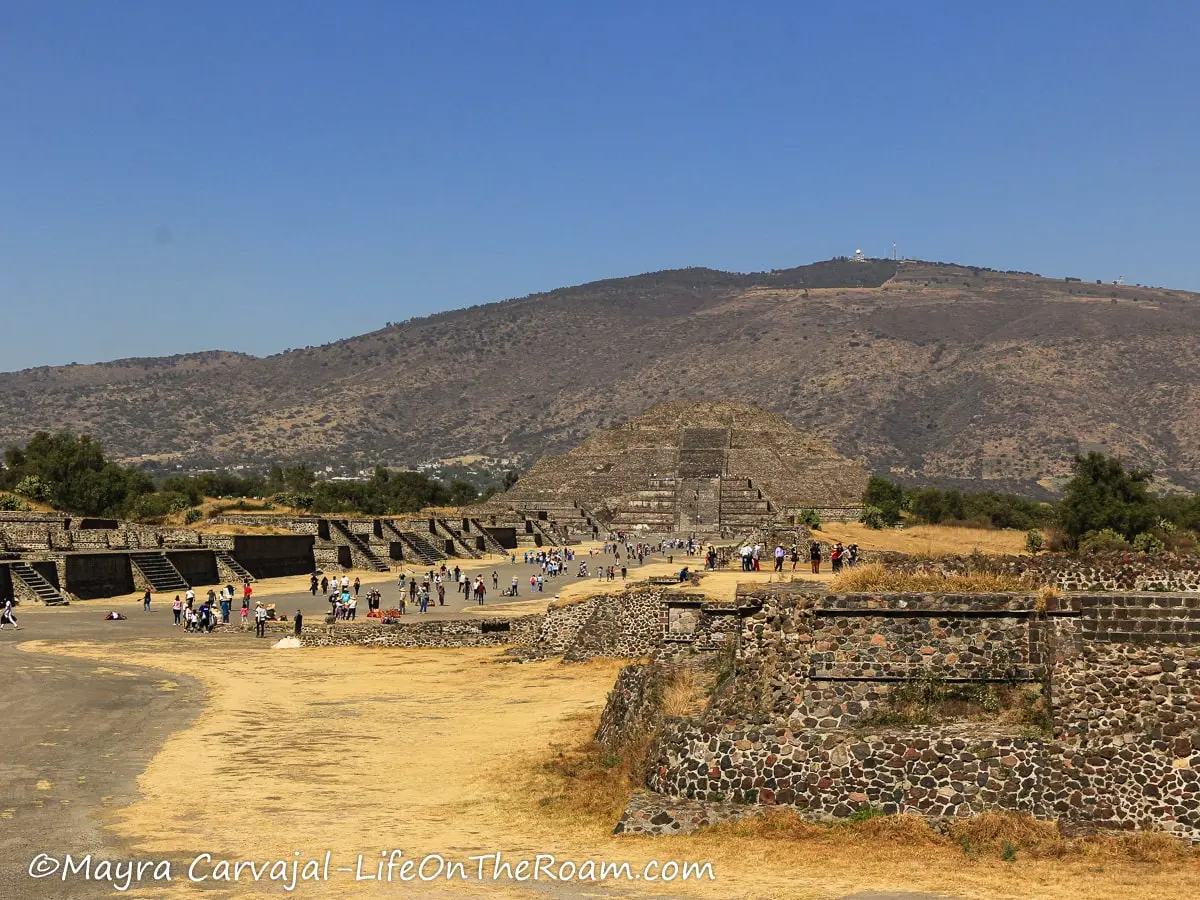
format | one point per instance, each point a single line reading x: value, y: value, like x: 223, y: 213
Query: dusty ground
x: 354, y: 750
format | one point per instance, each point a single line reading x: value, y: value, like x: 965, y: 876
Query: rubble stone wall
x: 479, y: 632
x: 1122, y: 673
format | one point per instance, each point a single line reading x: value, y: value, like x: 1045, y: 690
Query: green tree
x: 886, y: 496
x: 1103, y: 494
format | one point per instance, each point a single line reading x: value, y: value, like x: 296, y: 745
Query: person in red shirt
x: 247, y: 591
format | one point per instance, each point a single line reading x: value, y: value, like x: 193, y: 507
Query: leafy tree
x: 885, y: 496
x: 872, y: 517
x: 1103, y: 494
x: 510, y: 478
x: 462, y: 492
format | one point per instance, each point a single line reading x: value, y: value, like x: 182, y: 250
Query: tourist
x: 313, y: 584
x: 352, y: 607
x: 441, y: 592
x: 177, y: 608
x: 514, y: 585
x: 779, y: 557
x: 424, y: 598
x: 146, y: 601
x: 345, y: 582
x: 246, y: 592
x: 296, y: 629
x: 624, y: 573
x: 852, y: 555
x: 814, y: 556
x: 357, y: 586
x: 480, y: 590
x: 325, y: 583
x: 245, y: 611
x: 190, y: 596
x: 835, y: 558
x: 225, y: 607
x: 260, y: 620
x: 7, y: 617
x: 495, y: 580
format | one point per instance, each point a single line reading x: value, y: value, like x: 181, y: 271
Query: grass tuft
x: 877, y: 577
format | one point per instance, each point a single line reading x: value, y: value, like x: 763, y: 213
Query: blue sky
x: 261, y: 175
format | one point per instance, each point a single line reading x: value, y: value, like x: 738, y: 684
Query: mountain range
x: 927, y: 371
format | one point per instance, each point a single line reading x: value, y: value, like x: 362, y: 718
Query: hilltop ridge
x: 928, y: 370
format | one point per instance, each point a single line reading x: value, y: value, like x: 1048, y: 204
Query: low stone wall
x: 940, y: 772
x: 1161, y: 572
x: 480, y: 632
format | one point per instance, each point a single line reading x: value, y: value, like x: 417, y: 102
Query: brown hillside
x: 927, y: 369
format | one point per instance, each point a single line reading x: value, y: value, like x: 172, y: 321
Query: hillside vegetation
x: 930, y: 371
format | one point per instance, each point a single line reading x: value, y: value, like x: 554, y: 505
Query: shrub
x: 9, y: 503
x: 1148, y: 543
x: 1104, y: 540
x: 1034, y: 542
x: 810, y: 518
x: 33, y: 487
x: 872, y: 517
x: 192, y: 515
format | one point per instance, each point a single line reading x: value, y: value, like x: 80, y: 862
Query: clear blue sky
x: 261, y: 175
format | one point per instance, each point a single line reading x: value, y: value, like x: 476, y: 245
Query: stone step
x: 36, y: 582
x: 158, y: 571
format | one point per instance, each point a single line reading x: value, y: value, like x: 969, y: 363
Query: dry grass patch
x: 929, y: 541
x: 876, y: 577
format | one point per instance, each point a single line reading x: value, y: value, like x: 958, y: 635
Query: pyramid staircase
x: 491, y: 545
x: 36, y: 582
x: 419, y: 548
x: 238, y: 569
x: 158, y: 571
x: 360, y: 548
x: 462, y: 546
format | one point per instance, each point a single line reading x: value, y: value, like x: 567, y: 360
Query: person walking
x: 357, y: 586
x: 313, y: 584
x: 814, y: 557
x: 260, y: 620
x: 778, y: 557
x: 177, y: 608
x: 146, y: 601
x: 7, y: 617
x: 424, y: 599
x: 245, y: 611
x: 325, y: 583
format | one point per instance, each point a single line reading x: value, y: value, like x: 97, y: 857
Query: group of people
x: 751, y: 557
x: 217, y: 607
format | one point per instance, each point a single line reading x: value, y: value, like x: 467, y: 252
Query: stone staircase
x: 242, y: 573
x: 441, y: 528
x: 743, y: 506
x: 47, y: 593
x: 360, y: 551
x: 490, y: 544
x: 158, y: 571
x: 419, y: 548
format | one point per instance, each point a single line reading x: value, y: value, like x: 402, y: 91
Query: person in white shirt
x: 260, y: 620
